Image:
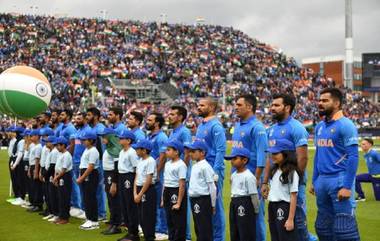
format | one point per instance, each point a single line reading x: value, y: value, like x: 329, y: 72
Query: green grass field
x: 17, y: 224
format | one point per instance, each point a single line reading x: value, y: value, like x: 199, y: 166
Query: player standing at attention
x: 335, y: 165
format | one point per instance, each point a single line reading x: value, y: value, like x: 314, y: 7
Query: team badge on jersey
x: 143, y: 198
x: 242, y: 134
x: 61, y: 182
x: 109, y: 180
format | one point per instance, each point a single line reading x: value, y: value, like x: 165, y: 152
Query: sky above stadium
x: 300, y: 28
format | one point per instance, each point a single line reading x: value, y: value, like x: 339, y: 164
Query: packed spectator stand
x: 79, y: 55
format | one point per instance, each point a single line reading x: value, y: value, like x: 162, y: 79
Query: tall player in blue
x: 335, y: 165
x: 287, y: 127
x: 177, y: 115
x: 212, y: 133
x: 250, y: 133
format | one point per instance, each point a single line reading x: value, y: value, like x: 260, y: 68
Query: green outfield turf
x: 17, y: 224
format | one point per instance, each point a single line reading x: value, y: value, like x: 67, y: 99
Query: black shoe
x: 44, y: 213
x: 112, y: 230
x: 29, y: 209
x: 35, y: 209
x: 107, y: 230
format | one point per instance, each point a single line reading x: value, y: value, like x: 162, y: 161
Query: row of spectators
x: 81, y: 56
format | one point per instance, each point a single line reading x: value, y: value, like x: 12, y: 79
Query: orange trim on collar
x: 338, y: 115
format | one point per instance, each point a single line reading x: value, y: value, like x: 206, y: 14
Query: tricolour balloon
x: 24, y: 92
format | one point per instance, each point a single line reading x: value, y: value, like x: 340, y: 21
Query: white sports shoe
x: 48, y: 217
x: 18, y: 201
x: 161, y: 236
x: 81, y: 215
x: 89, y: 225
x: 53, y: 219
x: 74, y: 212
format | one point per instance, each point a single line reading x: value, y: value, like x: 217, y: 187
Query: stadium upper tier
x: 76, y: 53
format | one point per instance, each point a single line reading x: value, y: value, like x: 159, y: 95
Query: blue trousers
x: 188, y: 215
x: 218, y: 220
x: 300, y: 218
x: 101, y: 194
x: 161, y: 224
x: 366, y: 177
x: 76, y: 194
x: 260, y: 221
x: 335, y: 219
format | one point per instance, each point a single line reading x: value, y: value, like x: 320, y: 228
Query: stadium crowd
x: 79, y: 54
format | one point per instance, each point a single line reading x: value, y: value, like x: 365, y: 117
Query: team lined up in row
x: 159, y: 164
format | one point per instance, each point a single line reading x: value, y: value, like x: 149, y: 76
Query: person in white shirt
x: 63, y: 179
x: 12, y: 135
x: 174, y: 197
x: 244, y: 197
x: 16, y: 166
x: 50, y: 163
x: 34, y: 170
x: 284, y: 182
x: 127, y: 164
x: 202, y: 191
x: 89, y: 179
x: 143, y: 190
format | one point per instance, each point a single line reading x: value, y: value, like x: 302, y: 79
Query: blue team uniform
x: 251, y: 134
x: 335, y: 165
x: 139, y: 134
x: 67, y: 130
x: 100, y: 191
x: 183, y: 134
x: 372, y: 159
x: 213, y: 134
x: 76, y: 200
x: 118, y: 127
x: 292, y: 130
x: 58, y: 129
x: 158, y: 140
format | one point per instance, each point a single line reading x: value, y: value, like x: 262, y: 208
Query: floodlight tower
x: 349, y: 46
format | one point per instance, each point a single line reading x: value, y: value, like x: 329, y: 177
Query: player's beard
x: 278, y: 116
x: 149, y: 127
x: 325, y: 112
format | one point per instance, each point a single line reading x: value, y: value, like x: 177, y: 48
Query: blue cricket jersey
x: 68, y: 130
x: 158, y: 140
x: 182, y: 134
x: 79, y: 147
x: 251, y: 134
x: 118, y: 127
x: 213, y: 134
x: 58, y: 129
x: 139, y: 134
x: 332, y: 156
x: 99, y: 144
x: 290, y: 129
x: 372, y: 159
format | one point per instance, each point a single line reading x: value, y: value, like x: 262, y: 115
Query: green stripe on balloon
x: 24, y: 105
x: 3, y: 106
